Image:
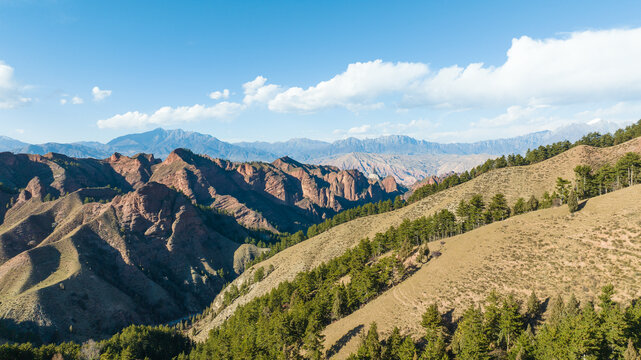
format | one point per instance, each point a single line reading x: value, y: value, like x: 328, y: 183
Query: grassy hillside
x: 514, y: 182
x: 550, y: 251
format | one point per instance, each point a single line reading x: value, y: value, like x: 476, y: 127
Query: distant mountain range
x: 161, y: 143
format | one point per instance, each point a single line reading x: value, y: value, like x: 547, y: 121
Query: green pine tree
x: 510, y: 321
x: 470, y: 341
x: 407, y: 350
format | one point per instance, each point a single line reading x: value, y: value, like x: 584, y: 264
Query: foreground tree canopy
x: 505, y: 328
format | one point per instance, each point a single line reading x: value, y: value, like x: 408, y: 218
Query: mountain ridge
x: 146, y: 240
x: 423, y: 155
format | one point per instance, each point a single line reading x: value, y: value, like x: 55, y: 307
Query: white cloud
x: 99, y: 94
x: 363, y: 129
x: 257, y: 92
x: 358, y: 86
x: 217, y: 95
x: 542, y: 83
x: 579, y: 67
x: 75, y: 100
x: 169, y: 115
x: 10, y: 92
x: 584, y: 66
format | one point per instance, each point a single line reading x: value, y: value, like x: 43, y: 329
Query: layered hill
x: 549, y: 251
x: 284, y: 195
x: 513, y: 182
x: 56, y: 174
x: 89, y: 246
x: 76, y: 269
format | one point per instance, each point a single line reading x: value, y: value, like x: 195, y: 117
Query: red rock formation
x: 136, y: 170
x: 284, y: 195
x: 34, y: 189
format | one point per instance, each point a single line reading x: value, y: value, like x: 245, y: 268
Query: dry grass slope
x: 550, y: 251
x: 514, y: 182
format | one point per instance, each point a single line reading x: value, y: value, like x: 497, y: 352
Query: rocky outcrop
x: 282, y: 196
x: 64, y: 174
x: 390, y: 185
x: 34, y: 189
x: 136, y: 170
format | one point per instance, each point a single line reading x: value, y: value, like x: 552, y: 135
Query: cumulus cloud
x: 172, y: 115
x: 578, y: 67
x: 256, y: 91
x: 10, y: 92
x: 218, y: 95
x: 538, y: 77
x: 358, y: 86
x: 99, y: 94
x: 582, y: 66
x: 67, y: 99
x: 363, y: 129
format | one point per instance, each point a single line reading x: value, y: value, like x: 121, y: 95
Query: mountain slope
x: 7, y: 143
x: 312, y: 150
x: 308, y: 150
x: 284, y: 195
x: 96, y: 245
x: 59, y: 174
x: 76, y: 270
x: 513, y: 182
x: 73, y: 150
x: 550, y: 251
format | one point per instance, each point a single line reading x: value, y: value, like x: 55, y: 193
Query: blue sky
x: 437, y: 70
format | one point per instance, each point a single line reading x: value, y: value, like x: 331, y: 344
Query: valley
x: 155, y: 218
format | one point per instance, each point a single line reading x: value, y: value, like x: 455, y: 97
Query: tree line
x: 132, y: 343
x: 279, y: 242
x: 532, y: 156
